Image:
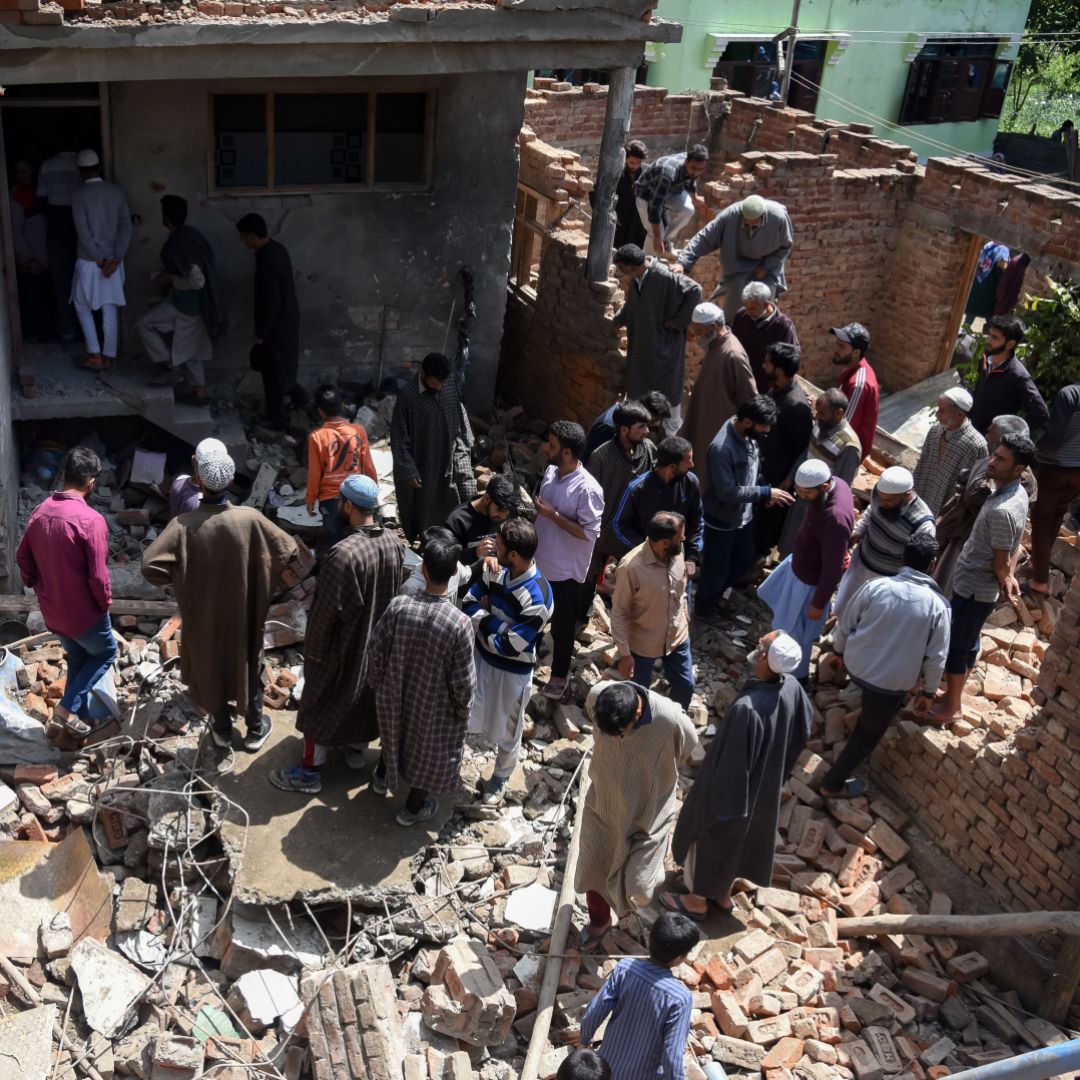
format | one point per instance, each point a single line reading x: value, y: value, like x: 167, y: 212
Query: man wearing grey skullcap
x: 225, y: 564
x: 952, y: 446
x: 727, y: 826
x: 754, y: 239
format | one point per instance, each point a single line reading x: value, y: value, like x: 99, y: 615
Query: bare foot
x: 941, y: 715
x: 687, y: 904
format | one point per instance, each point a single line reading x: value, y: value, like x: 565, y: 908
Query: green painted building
x: 937, y: 69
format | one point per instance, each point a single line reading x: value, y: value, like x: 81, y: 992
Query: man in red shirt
x: 335, y: 451
x: 857, y: 381
x: 62, y: 557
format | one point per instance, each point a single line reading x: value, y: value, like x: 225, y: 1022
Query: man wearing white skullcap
x: 185, y: 492
x: 952, y: 446
x: 724, y: 382
x: 727, y: 826
x: 225, y: 564
x: 754, y: 239
x: 800, y: 589
x: 895, y: 514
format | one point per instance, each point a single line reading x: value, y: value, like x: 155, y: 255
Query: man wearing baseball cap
x: 357, y: 581
x: 727, y: 826
x: 754, y: 239
x: 952, y: 446
x: 894, y: 515
x: 224, y: 564
x: 800, y: 589
x: 858, y: 381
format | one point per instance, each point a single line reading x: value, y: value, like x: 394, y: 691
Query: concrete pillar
x: 616, y: 125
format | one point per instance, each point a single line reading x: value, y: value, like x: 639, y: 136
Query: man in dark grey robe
x: 658, y: 309
x: 276, y: 353
x: 727, y: 826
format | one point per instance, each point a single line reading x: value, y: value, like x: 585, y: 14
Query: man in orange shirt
x: 335, y: 451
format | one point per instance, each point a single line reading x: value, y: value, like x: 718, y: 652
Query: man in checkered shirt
x: 666, y: 194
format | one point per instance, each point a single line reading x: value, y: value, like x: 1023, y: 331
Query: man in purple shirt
x: 800, y: 589
x: 185, y: 493
x: 568, y: 512
x: 63, y: 557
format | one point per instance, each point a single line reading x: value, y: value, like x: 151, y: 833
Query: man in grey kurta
x: 754, y: 239
x: 225, y: 564
x: 357, y: 580
x: 727, y: 826
x: 642, y: 738
x: 431, y: 441
x: 658, y: 309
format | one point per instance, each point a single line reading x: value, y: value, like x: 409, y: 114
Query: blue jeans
x: 88, y: 657
x: 678, y: 667
x: 728, y: 554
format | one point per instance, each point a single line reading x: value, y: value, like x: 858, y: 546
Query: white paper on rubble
x: 531, y: 908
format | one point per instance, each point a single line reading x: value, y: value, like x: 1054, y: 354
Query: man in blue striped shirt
x: 649, y: 1008
x: 509, y: 610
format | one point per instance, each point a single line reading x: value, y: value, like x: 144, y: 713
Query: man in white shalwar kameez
x: 103, y: 229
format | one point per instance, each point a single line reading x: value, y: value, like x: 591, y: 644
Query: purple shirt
x: 184, y: 495
x: 63, y: 558
x: 821, y: 543
x: 578, y: 497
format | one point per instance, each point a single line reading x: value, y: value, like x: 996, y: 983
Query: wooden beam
x: 1061, y: 986
x: 160, y: 609
x: 956, y: 314
x: 1015, y: 924
x: 620, y: 101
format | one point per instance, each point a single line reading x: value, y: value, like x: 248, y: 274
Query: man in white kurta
x: 641, y: 740
x: 103, y: 228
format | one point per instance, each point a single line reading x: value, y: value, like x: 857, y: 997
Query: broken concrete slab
x: 111, y: 988
x: 467, y: 998
x: 56, y: 937
x: 352, y: 1023
x: 26, y: 1043
x: 292, y: 847
x: 249, y: 941
x: 261, y: 998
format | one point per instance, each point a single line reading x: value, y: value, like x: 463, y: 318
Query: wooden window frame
x: 528, y: 237
x: 935, y: 71
x: 368, y: 186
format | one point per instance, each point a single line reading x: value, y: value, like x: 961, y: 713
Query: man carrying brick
x: 225, y: 564
x: 360, y: 576
x: 63, y: 557
x: 986, y: 567
x: 894, y: 632
x: 727, y: 826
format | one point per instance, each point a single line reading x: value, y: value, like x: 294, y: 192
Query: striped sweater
x: 508, y: 630
x: 883, y: 539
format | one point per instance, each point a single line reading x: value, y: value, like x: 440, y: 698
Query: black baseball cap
x: 854, y: 334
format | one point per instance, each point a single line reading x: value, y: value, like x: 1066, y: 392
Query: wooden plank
x: 1010, y: 925
x: 1061, y: 986
x: 956, y: 314
x: 161, y: 609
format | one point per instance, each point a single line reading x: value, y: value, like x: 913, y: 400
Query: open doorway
x: 38, y: 122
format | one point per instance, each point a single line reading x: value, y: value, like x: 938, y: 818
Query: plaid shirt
x: 420, y: 662
x: 937, y: 471
x: 658, y: 181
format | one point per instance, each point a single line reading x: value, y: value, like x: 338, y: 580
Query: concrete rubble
x: 440, y: 980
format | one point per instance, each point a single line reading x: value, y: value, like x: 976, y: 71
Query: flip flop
x: 589, y: 941
x: 1036, y: 594
x: 674, y: 902
x: 853, y: 788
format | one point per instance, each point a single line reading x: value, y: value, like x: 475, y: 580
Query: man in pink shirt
x: 62, y: 557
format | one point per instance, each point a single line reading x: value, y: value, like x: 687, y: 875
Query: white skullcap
x: 87, y: 159
x: 960, y: 398
x: 896, y: 480
x: 209, y: 448
x: 785, y: 654
x: 812, y: 473
x: 216, y: 472
x: 753, y: 206
x: 707, y: 313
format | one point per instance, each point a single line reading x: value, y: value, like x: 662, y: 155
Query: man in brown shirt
x: 649, y: 619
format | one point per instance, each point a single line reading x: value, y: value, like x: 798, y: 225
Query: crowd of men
x: 668, y: 515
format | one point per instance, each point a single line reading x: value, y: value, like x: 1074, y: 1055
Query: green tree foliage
x: 1051, y: 349
x: 1045, y: 81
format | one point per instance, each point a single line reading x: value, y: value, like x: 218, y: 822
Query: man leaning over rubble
x: 642, y: 739
x: 894, y: 632
x: 358, y: 579
x: 63, y: 557
x: 224, y: 563
x: 509, y: 608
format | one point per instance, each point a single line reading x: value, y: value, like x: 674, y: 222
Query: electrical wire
x: 773, y: 29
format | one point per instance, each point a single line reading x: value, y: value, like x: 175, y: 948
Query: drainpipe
x: 1037, y: 1065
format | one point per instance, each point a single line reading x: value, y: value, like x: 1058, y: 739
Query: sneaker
x: 426, y: 812
x: 258, y: 734
x: 356, y: 756
x: 378, y: 783
x: 494, y: 790
x: 298, y: 778
x: 222, y: 736
x: 851, y: 692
